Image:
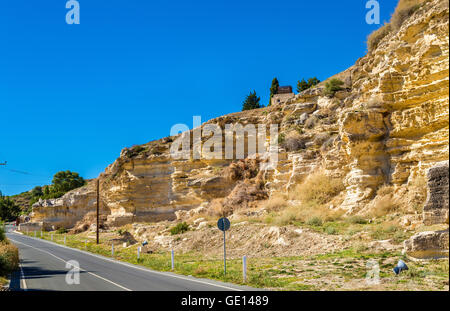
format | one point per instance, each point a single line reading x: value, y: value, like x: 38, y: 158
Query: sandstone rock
x: 429, y: 244
x: 436, y: 207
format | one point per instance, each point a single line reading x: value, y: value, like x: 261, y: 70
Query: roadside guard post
x: 138, y: 252
x: 224, y: 224
x: 173, y: 259
x: 244, y: 268
x: 112, y: 249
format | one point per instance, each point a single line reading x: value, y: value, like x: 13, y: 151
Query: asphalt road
x: 43, y: 267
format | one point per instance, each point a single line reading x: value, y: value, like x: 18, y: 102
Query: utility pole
x: 98, y: 209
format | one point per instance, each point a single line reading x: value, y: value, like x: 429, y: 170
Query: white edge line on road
x: 139, y: 268
x: 22, y: 278
x: 98, y: 276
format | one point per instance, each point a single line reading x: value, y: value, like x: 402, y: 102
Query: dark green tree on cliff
x: 65, y: 181
x: 251, y: 101
x: 273, y: 89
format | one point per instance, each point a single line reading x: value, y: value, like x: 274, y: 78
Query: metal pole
x: 173, y: 259
x: 98, y: 208
x: 224, y: 254
x: 244, y: 267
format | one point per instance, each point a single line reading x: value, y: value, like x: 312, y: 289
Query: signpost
x: 224, y: 224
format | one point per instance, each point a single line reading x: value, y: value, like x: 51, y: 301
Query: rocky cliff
x: 385, y: 128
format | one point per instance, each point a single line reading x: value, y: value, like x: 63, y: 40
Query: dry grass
x: 9, y: 258
x: 317, y: 189
x: 404, y: 9
x: 275, y: 203
x: 384, y: 203
x: 375, y: 37
x: 417, y: 193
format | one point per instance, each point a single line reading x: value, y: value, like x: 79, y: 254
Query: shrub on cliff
x: 404, y: 9
x: 375, y: 37
x: 182, y: 227
x: 332, y: 86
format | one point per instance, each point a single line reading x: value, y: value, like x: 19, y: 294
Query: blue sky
x: 72, y: 96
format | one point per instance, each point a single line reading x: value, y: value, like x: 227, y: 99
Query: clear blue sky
x: 72, y: 96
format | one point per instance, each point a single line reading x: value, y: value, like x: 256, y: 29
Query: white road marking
x: 22, y: 277
x: 98, y: 276
x: 142, y: 269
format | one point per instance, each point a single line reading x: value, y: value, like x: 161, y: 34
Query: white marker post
x: 138, y: 252
x: 112, y: 249
x: 51, y: 237
x: 41, y: 234
x: 64, y: 240
x: 173, y: 260
x: 244, y: 268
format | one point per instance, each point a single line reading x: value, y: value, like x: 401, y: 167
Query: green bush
x: 332, y: 86
x: 331, y: 230
x: 357, y: 220
x: 2, y: 232
x: 179, y: 228
x: 315, y: 221
x: 61, y: 230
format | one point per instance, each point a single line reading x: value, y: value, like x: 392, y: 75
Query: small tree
x: 37, y: 191
x: 273, y: 89
x: 302, y: 85
x: 66, y: 181
x: 332, y: 86
x: 251, y: 102
x: 313, y: 81
x: 8, y: 209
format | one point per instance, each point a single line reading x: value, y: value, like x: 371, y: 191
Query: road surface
x: 43, y: 267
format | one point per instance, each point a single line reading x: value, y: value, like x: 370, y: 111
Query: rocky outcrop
x: 429, y: 244
x: 436, y: 207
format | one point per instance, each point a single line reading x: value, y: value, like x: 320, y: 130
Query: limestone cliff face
x: 387, y: 126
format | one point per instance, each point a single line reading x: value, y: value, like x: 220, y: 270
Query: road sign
x: 223, y: 224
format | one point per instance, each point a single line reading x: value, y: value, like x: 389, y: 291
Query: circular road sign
x: 223, y: 224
